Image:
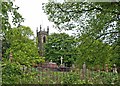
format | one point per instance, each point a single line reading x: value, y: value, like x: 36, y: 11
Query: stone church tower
x: 42, y: 36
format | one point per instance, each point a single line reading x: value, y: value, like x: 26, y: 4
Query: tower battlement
x: 42, y: 36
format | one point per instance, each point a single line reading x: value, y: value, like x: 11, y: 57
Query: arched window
x: 44, y: 39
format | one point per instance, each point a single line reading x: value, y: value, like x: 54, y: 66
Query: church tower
x: 42, y: 36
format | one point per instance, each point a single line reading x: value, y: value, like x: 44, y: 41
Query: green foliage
x: 9, y: 8
x: 105, y: 78
x: 97, y: 78
x: 8, y: 11
x: 23, y: 48
x: 35, y: 76
x: 25, y: 53
x: 71, y: 78
x: 93, y: 52
x: 18, y: 41
x: 97, y: 24
x: 59, y: 45
x: 10, y: 73
x: 94, y: 17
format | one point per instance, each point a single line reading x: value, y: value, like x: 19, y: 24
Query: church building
x: 42, y: 36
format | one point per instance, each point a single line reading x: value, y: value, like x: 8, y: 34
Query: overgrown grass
x: 56, y: 77
x: 34, y: 76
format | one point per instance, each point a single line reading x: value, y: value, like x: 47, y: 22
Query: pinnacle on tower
x: 47, y: 29
x: 40, y: 27
x: 37, y: 29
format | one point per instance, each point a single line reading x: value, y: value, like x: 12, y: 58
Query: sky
x: 31, y: 11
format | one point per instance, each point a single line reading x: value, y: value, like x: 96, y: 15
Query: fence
x: 73, y: 76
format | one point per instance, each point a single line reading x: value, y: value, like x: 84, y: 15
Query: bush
x: 11, y: 73
x: 105, y: 78
x: 71, y: 78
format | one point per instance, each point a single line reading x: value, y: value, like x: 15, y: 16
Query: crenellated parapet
x: 42, y: 36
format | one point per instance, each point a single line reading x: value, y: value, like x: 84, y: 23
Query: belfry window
x: 44, y: 39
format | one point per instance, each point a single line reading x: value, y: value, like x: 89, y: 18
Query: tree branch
x: 105, y: 34
x: 83, y: 10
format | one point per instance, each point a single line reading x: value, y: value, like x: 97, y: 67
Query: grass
x: 92, y: 77
x: 34, y: 76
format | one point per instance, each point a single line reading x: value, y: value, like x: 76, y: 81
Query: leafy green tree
x: 58, y: 45
x: 17, y: 41
x: 8, y: 10
x: 23, y: 48
x: 96, y: 19
x: 93, y: 52
x: 87, y: 17
x: 24, y: 53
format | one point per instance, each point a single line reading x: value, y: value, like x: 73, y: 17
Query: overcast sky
x: 32, y: 11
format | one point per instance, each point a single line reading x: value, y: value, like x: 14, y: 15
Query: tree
x: 93, y: 53
x: 23, y: 48
x: 58, y: 45
x: 9, y: 10
x: 75, y: 15
x: 18, y: 42
x: 99, y: 20
x: 24, y: 53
